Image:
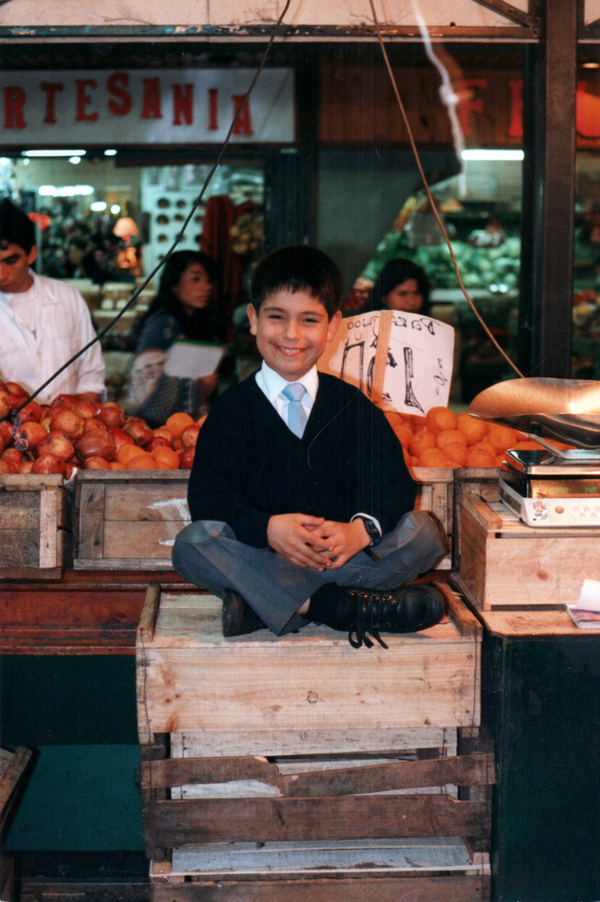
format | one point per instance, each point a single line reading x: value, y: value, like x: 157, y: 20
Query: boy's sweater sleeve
x: 216, y: 485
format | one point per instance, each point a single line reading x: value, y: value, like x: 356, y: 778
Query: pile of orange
x: 448, y: 440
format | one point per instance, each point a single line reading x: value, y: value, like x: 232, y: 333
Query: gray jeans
x: 207, y: 554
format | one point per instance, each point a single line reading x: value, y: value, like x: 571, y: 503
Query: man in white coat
x: 43, y: 322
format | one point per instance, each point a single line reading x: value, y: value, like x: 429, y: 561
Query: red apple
x: 119, y: 437
x: 190, y: 435
x: 95, y: 443
x: 93, y: 423
x: 86, y: 408
x: 2, y: 443
x: 139, y: 431
x: 26, y: 466
x: 186, y: 458
x: 162, y: 430
x: 29, y: 435
x: 57, y: 443
x: 8, y: 431
x: 68, y: 422
x: 159, y: 441
x: 13, y: 388
x: 112, y: 414
x: 31, y: 411
x: 13, y: 454
x: 64, y: 400
x: 49, y: 463
x: 71, y: 468
x: 4, y: 467
x: 5, y: 403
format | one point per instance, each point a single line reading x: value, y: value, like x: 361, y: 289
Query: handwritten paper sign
x: 401, y: 361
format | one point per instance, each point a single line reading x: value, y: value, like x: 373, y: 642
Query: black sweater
x: 249, y: 465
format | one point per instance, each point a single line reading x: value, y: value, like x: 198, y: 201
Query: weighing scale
x: 549, y: 487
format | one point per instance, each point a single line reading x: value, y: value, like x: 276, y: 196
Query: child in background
x: 301, y: 502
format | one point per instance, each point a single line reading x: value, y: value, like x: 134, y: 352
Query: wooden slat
x: 12, y: 768
x: 90, y: 516
x: 465, y: 770
x: 382, y: 889
x: 180, y: 822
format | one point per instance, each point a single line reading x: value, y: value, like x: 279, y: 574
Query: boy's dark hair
x: 298, y: 268
x: 15, y: 227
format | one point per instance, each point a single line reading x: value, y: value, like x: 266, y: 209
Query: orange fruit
x: 502, y: 437
x: 439, y: 418
x: 452, y: 464
x: 143, y: 461
x: 115, y: 465
x: 432, y: 457
x: 177, y: 422
x: 166, y: 457
x: 479, y: 457
x: 404, y: 434
x: 127, y: 453
x: 484, y: 446
x: 201, y: 420
x: 422, y: 441
x: 394, y: 418
x: 456, y: 452
x: 166, y: 433
x: 450, y: 437
x: 474, y: 429
x: 499, y: 461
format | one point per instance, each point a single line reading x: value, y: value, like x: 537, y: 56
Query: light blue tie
x: 296, y: 414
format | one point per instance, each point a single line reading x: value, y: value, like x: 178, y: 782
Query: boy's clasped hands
x: 314, y: 542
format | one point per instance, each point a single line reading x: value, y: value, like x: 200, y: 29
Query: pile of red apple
x: 71, y: 434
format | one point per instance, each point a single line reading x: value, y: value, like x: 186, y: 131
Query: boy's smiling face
x: 292, y: 330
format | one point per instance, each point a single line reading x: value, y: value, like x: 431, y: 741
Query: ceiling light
x: 110, y: 153
x: 590, y: 65
x: 53, y: 153
x: 98, y: 206
x: 75, y: 160
x: 480, y: 154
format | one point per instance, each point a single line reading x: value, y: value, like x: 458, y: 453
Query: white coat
x: 64, y: 326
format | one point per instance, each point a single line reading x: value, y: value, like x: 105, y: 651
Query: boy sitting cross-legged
x: 301, y: 502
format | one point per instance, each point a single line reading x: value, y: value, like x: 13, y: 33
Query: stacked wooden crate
x: 32, y: 523
x: 505, y: 564
x: 301, y: 768
x: 127, y: 519
x: 13, y: 766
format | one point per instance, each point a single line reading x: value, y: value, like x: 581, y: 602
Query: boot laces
x: 368, y: 613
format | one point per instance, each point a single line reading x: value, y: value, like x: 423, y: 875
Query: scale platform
x: 543, y: 489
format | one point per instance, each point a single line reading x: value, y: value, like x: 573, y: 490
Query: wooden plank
x: 466, y: 770
x: 157, y: 500
x: 90, y: 520
x: 178, y: 822
x: 51, y: 533
x: 19, y: 511
x: 12, y: 769
x: 455, y: 888
x: 365, y: 857
x: 140, y: 539
x: 351, y: 741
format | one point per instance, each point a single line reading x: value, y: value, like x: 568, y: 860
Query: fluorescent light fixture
x: 110, y: 153
x: 65, y: 191
x: 115, y: 209
x: 590, y: 66
x: 75, y: 160
x: 98, y: 206
x: 480, y: 154
x: 5, y: 161
x: 54, y: 153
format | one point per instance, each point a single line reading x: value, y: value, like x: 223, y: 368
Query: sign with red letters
x: 166, y: 106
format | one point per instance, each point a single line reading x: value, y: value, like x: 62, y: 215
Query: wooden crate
x: 32, y: 521
x: 299, y: 768
x: 327, y: 694
x: 481, y: 481
x: 507, y: 564
x: 128, y: 520
x: 435, y: 493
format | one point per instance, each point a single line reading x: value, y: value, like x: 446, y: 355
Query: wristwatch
x: 372, y: 531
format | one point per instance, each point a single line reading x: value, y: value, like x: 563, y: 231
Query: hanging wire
x: 430, y: 195
x: 14, y: 413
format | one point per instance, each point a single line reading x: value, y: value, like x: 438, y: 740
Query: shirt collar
x: 273, y: 384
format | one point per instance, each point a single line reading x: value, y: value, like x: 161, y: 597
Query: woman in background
x: 183, y: 309
x: 400, y: 285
